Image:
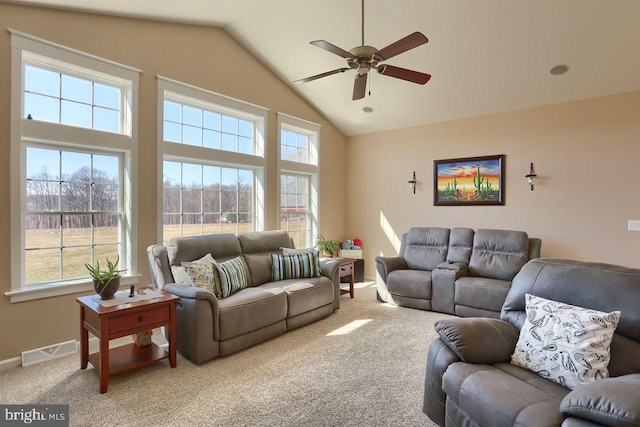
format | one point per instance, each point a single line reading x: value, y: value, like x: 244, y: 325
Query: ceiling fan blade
x: 412, y: 40
x: 319, y: 76
x: 332, y: 48
x: 404, y: 74
x: 359, y: 86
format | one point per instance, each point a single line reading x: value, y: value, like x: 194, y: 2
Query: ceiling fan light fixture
x: 363, y: 58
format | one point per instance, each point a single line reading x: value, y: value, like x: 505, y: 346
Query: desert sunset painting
x: 469, y: 181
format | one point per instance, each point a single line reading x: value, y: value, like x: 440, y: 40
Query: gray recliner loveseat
x: 456, y: 271
x: 209, y: 327
x: 469, y: 378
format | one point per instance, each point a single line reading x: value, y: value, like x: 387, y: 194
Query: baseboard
x: 14, y: 362
x: 49, y: 352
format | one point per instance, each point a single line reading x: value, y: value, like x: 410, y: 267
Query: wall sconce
x: 531, y: 177
x: 413, y: 182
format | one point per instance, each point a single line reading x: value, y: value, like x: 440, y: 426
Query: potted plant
x: 328, y: 248
x: 107, y: 281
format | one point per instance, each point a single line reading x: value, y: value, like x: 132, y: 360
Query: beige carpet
x: 362, y: 366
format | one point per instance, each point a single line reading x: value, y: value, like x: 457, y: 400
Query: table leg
x: 104, y: 355
x: 84, y: 341
x: 172, y: 336
x: 352, y: 279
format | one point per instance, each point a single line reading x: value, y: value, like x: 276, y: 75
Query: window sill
x: 55, y: 289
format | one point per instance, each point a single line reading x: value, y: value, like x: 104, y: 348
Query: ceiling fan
x: 363, y: 58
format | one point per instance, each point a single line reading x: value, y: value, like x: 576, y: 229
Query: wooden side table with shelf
x: 108, y: 323
x: 347, y: 269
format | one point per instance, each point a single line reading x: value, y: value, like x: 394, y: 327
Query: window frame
x: 310, y: 169
x: 30, y: 50
x: 176, y: 91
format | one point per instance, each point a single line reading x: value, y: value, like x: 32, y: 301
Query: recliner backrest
x: 257, y: 248
x: 425, y: 247
x: 460, y: 245
x: 498, y: 254
x: 602, y: 287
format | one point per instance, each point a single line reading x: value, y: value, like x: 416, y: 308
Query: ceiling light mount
x: 558, y: 70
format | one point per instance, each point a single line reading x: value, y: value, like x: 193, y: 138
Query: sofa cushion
x: 410, y: 283
x: 564, y: 343
x: 498, y: 395
x: 303, y: 265
x: 305, y: 295
x: 611, y: 401
x: 498, y: 254
x: 425, y: 247
x: 257, y: 248
x: 185, y: 249
x: 294, y: 251
x: 480, y: 292
x: 230, y: 276
x: 251, y: 309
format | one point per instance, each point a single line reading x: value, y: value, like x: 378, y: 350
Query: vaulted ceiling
x: 485, y: 56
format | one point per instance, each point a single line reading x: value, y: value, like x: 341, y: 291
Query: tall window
x: 73, y: 143
x: 212, y: 162
x: 298, y: 169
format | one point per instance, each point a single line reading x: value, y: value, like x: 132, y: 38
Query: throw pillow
x: 180, y: 275
x: 564, y: 343
x: 231, y: 276
x: 200, y: 272
x: 293, y: 251
x: 295, y: 266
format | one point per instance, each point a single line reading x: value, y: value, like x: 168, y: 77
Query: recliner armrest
x: 479, y: 340
x: 191, y: 292
x: 608, y: 401
x: 453, y: 266
x: 386, y: 265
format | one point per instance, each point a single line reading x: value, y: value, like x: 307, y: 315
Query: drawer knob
x: 142, y: 319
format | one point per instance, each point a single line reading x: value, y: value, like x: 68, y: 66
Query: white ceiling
x: 485, y: 56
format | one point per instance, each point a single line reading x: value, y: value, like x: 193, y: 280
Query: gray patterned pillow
x: 564, y: 343
x: 201, y: 272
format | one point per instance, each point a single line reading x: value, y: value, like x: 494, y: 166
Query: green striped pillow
x: 295, y: 266
x: 229, y: 277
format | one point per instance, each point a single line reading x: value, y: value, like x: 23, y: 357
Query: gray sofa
x: 469, y: 378
x: 457, y: 271
x: 209, y: 327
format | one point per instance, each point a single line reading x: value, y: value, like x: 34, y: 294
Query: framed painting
x: 469, y: 181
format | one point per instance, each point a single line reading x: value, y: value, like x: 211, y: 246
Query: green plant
x: 325, y: 245
x: 105, y: 276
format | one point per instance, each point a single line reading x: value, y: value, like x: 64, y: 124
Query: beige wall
x: 201, y: 56
x: 585, y: 154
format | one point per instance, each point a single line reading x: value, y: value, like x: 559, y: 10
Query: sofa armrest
x: 439, y: 358
x: 609, y: 401
x: 479, y: 340
x: 193, y: 292
x: 331, y: 269
x: 443, y: 280
x: 386, y: 265
x: 454, y: 266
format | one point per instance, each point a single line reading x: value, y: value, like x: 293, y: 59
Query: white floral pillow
x: 201, y: 272
x: 564, y: 343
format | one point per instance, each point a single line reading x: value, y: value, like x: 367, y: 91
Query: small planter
x: 109, y: 291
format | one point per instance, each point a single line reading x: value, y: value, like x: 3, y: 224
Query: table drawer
x: 346, y: 270
x: 139, y: 319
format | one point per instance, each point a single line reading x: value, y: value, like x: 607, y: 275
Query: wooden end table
x: 108, y: 323
x: 347, y: 268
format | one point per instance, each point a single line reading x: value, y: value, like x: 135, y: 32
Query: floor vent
x: 50, y: 352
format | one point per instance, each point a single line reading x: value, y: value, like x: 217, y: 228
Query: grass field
x: 45, y: 265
